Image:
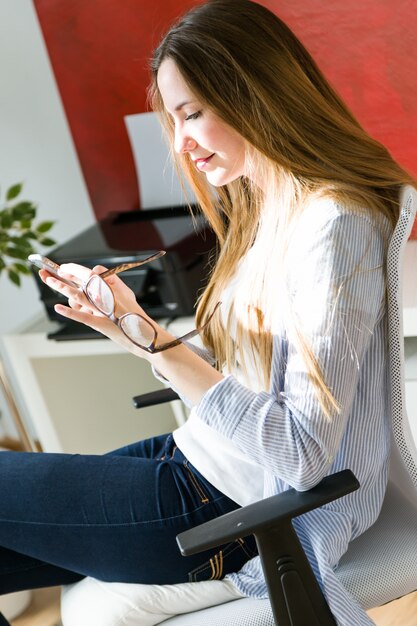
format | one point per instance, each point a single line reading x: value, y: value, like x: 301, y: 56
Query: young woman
x: 292, y: 384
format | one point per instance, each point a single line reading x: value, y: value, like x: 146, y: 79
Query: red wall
x: 99, y: 51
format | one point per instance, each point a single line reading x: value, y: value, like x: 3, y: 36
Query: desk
x: 410, y: 290
x: 75, y: 396
x: 410, y: 332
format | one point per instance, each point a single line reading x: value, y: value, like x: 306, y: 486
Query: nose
x: 183, y: 142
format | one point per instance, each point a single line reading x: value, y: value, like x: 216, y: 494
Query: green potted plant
x: 19, y: 234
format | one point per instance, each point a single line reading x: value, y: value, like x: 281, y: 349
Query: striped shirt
x: 337, y: 285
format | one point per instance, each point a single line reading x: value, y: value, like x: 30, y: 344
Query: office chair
x: 379, y: 566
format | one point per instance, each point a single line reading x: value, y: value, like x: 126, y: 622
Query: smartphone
x: 43, y: 263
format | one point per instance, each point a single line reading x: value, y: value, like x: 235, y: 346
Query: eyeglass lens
x: 138, y: 330
x: 98, y: 291
x: 100, y: 295
x: 135, y: 327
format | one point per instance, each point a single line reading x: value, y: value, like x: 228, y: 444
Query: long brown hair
x: 250, y: 69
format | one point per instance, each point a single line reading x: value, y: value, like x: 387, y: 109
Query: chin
x: 219, y: 180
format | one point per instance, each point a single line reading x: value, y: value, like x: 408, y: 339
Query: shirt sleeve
x: 337, y: 291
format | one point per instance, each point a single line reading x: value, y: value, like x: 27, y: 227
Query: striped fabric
x: 337, y: 284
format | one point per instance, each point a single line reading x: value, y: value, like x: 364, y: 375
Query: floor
x: 402, y: 612
x: 44, y: 611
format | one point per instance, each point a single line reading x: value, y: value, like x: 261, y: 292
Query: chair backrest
x: 403, y: 465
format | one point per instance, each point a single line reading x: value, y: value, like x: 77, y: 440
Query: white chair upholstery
x: 380, y: 565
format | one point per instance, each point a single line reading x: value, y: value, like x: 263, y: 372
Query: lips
x: 201, y: 163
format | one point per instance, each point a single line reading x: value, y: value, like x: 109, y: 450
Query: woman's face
x: 214, y: 147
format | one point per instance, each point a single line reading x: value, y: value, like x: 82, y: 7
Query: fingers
x: 77, y: 305
x: 73, y: 271
x: 66, y: 289
x: 87, y: 317
x: 101, y: 324
x: 99, y: 269
x: 45, y: 274
x: 77, y: 300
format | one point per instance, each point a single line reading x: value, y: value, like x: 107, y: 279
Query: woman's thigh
x: 152, y: 448
x: 114, y: 517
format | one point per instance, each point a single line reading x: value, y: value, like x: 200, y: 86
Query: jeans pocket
x: 196, y: 483
x: 229, y: 559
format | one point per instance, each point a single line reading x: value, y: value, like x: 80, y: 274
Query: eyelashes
x: 193, y: 116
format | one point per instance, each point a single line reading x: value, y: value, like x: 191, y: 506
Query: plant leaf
x: 21, y: 242
x: 43, y: 227
x: 22, y: 269
x: 47, y: 242
x: 25, y: 224
x: 14, y: 277
x: 29, y: 234
x: 14, y: 191
x: 23, y: 211
x: 6, y: 220
x: 17, y: 253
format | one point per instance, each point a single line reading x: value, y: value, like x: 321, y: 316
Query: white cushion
x: 91, y: 602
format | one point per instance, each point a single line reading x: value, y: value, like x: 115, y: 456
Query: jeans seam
x: 216, y: 562
x: 24, y: 569
x: 207, y: 565
x: 83, y: 524
x: 242, y: 543
x: 196, y: 484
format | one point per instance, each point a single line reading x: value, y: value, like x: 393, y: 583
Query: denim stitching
x: 220, y: 564
x: 216, y: 563
x: 249, y: 553
x: 196, y: 484
x: 82, y: 524
x: 213, y: 570
x: 192, y: 576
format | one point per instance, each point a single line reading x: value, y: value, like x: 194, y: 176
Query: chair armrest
x: 294, y: 593
x: 154, y: 397
x: 265, y: 513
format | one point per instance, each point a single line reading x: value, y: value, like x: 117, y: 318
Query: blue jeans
x: 114, y: 517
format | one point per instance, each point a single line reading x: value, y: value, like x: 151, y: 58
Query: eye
x: 193, y: 116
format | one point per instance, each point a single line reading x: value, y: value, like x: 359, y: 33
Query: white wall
x: 35, y: 148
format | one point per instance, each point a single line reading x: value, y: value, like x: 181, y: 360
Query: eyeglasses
x: 135, y: 327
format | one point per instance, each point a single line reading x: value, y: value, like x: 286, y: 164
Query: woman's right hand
x: 81, y: 310
x: 191, y: 375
